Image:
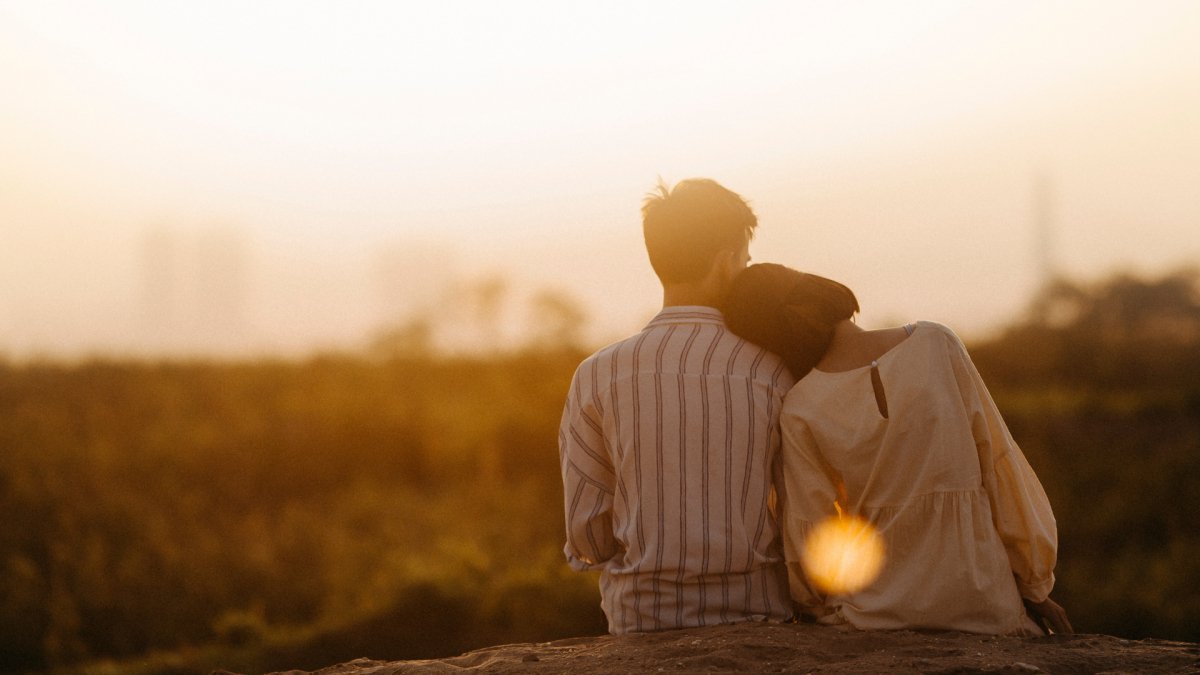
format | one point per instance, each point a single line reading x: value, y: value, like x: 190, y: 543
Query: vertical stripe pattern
x: 668, y: 446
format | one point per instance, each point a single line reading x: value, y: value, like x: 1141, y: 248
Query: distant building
x: 194, y: 291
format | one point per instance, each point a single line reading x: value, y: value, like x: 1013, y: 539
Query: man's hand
x: 1050, y: 615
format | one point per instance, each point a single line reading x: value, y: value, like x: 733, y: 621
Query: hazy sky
x: 305, y: 170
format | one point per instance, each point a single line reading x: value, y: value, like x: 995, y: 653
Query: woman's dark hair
x: 788, y: 312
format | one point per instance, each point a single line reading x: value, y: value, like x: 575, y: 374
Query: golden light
x: 842, y: 554
x: 323, y: 132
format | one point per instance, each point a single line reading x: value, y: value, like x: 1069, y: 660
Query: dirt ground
x: 807, y: 648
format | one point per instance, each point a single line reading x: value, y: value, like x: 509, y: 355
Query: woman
x: 896, y: 427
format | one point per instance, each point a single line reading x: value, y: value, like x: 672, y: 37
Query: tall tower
x: 1043, y: 229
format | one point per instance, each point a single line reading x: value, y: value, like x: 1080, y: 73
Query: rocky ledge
x: 805, y: 648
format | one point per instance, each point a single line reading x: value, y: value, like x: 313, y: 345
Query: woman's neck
x: 843, y: 329
x: 853, y: 347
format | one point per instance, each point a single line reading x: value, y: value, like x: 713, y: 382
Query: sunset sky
x: 325, y: 167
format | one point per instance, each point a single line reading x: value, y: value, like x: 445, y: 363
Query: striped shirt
x: 668, y: 446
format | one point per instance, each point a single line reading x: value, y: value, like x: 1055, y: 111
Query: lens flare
x: 843, y: 554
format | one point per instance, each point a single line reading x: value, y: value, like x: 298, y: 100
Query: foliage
x: 1101, y: 387
x: 291, y: 512
x: 1122, y: 333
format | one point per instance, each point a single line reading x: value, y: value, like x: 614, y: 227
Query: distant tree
x: 1100, y: 383
x: 1123, y: 331
x: 413, y: 338
x: 557, y: 320
x: 486, y: 297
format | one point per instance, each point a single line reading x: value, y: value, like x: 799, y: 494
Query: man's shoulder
x: 720, y: 353
x: 608, y: 352
x: 601, y: 361
x: 759, y: 363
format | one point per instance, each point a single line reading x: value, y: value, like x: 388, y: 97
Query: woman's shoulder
x: 937, y: 328
x: 946, y: 340
x: 934, y: 326
x: 887, y: 339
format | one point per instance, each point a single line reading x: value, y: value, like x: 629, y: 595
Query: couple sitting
x: 699, y: 455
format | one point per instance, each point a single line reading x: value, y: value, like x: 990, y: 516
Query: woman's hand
x: 1050, y: 615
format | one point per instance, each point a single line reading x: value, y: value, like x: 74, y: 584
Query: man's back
x: 667, y: 443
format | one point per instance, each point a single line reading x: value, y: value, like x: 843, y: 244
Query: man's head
x: 697, y: 231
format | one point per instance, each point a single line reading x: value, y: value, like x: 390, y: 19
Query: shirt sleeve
x: 1020, y: 509
x: 810, y: 488
x: 588, y: 484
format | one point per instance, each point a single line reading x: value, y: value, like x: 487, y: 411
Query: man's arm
x: 588, y: 484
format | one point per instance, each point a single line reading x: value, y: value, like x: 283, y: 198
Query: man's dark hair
x: 787, y: 312
x: 687, y: 226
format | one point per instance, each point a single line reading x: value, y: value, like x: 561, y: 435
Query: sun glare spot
x: 843, y: 554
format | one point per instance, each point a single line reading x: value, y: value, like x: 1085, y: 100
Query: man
x: 668, y: 439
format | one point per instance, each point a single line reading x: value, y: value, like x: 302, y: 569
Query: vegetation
x: 1101, y: 387
x: 292, y: 514
x: 180, y: 517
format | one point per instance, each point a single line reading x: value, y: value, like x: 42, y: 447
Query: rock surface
x: 804, y: 648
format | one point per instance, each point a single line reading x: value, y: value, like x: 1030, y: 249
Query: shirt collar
x: 687, y: 314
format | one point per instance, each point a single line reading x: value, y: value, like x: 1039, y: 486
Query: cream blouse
x: 966, y: 526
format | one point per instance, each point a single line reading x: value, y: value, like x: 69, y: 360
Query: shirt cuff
x: 579, y: 564
x: 1037, y: 591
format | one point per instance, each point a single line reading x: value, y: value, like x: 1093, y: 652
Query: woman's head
x: 787, y: 312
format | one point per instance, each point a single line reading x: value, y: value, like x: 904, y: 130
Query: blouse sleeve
x: 810, y: 488
x: 589, y: 482
x: 1020, y: 509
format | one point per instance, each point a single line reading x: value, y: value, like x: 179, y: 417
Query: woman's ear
x: 730, y: 266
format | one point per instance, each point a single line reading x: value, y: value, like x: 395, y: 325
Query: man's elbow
x: 581, y: 562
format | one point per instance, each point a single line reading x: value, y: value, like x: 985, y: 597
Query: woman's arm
x: 1021, y: 511
x: 807, y: 496
x: 1050, y: 615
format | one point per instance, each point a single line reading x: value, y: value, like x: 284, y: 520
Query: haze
x: 284, y: 177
